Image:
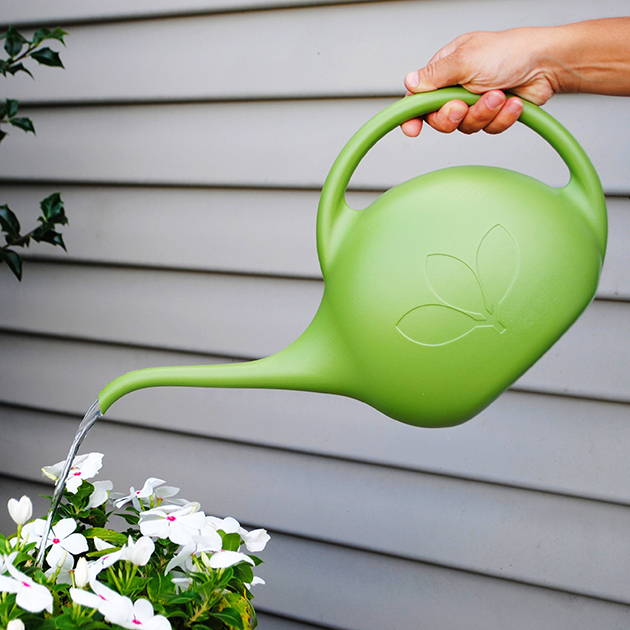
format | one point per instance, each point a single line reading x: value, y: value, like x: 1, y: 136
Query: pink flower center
x: 137, y: 491
x: 170, y: 518
x: 136, y: 621
x: 103, y: 598
x: 77, y: 474
x: 56, y: 540
x: 26, y: 584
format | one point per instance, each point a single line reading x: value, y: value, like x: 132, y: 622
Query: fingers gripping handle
x: 334, y: 214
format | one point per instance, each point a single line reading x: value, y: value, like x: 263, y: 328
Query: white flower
x: 256, y: 580
x: 61, y: 539
x: 224, y: 559
x: 181, y: 581
x: 100, y: 494
x: 106, y: 601
x: 15, y: 624
x: 61, y: 570
x: 148, y: 490
x: 83, y: 467
x: 139, y: 552
x: 101, y: 544
x: 256, y: 540
x: 229, y: 525
x: 120, y: 610
x: 34, y: 531
x: 31, y: 596
x: 20, y: 511
x: 81, y: 572
x: 178, y: 524
x: 140, y: 615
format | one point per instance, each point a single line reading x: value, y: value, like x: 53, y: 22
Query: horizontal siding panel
x: 243, y: 316
x: 278, y: 53
x: 246, y: 231
x: 212, y: 144
x: 557, y: 444
x: 298, y: 584
x: 41, y: 11
x: 543, y: 539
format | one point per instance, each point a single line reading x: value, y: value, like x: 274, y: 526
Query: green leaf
x: 9, y: 108
x: 13, y: 42
x: 2, y: 135
x: 23, y: 123
x: 53, y: 209
x: 14, y: 68
x: 9, y: 222
x: 231, y: 617
x: 231, y: 542
x: 42, y: 34
x: 131, y: 519
x: 244, y: 572
x: 14, y: 262
x: 108, y: 535
x: 47, y: 57
x: 256, y: 559
x: 45, y: 234
x: 183, y: 598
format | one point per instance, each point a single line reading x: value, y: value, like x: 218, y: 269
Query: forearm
x: 591, y: 56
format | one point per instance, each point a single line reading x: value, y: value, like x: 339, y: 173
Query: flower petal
x: 64, y: 528
x: 8, y: 585
x: 35, y: 598
x: 75, y: 543
x: 224, y: 559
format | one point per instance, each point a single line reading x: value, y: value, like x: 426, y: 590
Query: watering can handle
x: 335, y: 216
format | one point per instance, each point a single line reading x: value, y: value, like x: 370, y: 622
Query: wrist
x: 556, y: 50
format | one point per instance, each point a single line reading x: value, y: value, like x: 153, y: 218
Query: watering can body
x: 442, y: 292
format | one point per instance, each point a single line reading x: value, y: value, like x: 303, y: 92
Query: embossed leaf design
x: 497, y: 265
x: 455, y: 283
x: 434, y: 324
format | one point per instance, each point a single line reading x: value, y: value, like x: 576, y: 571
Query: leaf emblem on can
x: 467, y: 298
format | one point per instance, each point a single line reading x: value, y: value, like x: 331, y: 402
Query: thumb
x: 436, y: 74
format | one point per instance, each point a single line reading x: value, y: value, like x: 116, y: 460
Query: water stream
x: 91, y: 416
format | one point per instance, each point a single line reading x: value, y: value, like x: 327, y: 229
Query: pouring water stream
x: 91, y: 416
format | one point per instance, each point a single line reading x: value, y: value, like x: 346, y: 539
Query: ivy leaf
x: 45, y: 234
x: 9, y: 222
x: 23, y: 123
x: 13, y: 42
x: 47, y: 57
x: 435, y: 324
x: 14, y: 68
x: 53, y: 209
x: 9, y: 108
x: 3, y: 135
x: 42, y: 34
x: 13, y: 260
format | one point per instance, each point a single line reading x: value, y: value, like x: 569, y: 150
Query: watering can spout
x: 312, y: 362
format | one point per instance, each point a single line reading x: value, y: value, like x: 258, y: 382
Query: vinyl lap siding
x: 191, y: 193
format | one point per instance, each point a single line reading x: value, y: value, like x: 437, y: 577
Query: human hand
x: 486, y: 62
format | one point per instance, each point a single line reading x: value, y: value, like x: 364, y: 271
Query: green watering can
x: 442, y: 292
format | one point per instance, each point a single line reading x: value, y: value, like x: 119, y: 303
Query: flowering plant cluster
x: 172, y: 566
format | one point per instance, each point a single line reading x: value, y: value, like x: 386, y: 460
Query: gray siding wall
x: 189, y: 140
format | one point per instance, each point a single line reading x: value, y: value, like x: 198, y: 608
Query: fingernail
x: 412, y: 79
x: 456, y: 114
x: 494, y: 100
x: 514, y: 105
